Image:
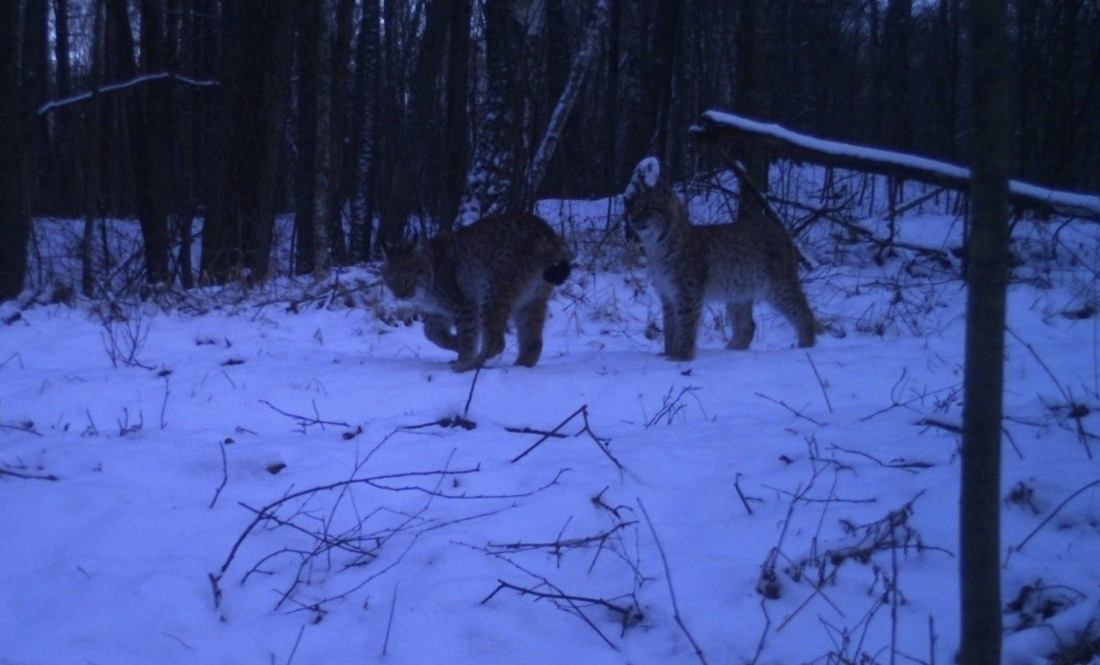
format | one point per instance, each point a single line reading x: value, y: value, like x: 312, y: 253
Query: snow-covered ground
x: 281, y: 478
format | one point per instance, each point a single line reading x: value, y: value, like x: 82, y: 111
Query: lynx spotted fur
x: 734, y: 264
x: 475, y: 278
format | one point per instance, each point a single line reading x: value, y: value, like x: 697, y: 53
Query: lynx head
x: 651, y: 207
x: 407, y: 271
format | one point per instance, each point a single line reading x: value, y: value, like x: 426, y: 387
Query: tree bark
x: 983, y: 380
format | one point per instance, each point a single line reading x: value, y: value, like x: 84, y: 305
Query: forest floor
x: 293, y: 474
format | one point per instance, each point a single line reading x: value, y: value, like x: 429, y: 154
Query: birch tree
x: 593, y: 37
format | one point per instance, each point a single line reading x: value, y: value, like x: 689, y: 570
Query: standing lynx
x: 734, y: 264
x: 477, y: 277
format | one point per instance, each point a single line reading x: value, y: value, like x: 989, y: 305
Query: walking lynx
x: 734, y: 264
x: 475, y: 278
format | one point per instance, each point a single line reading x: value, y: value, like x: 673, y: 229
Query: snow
x: 738, y: 458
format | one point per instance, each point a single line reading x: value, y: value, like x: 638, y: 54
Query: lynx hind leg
x: 493, y: 320
x: 437, y: 328
x: 530, y: 319
x: 742, y: 326
x: 686, y: 327
x: 668, y: 324
x: 790, y: 300
x: 466, y: 323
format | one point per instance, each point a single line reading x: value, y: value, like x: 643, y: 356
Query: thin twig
x: 911, y: 467
x: 548, y: 435
x: 27, y: 476
x: 225, y: 474
x: 389, y: 622
x: 671, y: 589
x: 783, y: 404
x: 22, y: 427
x: 820, y: 382
x: 303, y: 421
x: 164, y: 404
x: 737, y: 486
x: 528, y: 430
x: 298, y: 641
x: 1049, y: 517
x: 470, y: 397
x: 1082, y: 435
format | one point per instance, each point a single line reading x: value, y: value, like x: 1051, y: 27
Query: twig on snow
x: 737, y: 486
x: 470, y: 397
x: 1077, y: 411
x: 304, y: 421
x: 820, y: 382
x: 671, y: 590
x: 225, y: 474
x: 783, y: 404
x: 1016, y: 548
x: 600, y: 442
x: 27, y: 476
x: 389, y: 622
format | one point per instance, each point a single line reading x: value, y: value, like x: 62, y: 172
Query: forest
x: 203, y: 120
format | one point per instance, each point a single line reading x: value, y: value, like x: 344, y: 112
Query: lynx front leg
x: 529, y: 320
x: 742, y: 327
x: 437, y: 328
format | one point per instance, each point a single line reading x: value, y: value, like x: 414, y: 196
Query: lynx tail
x: 557, y: 273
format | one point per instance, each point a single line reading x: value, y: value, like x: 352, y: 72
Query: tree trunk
x: 309, y: 22
x: 752, y: 101
x: 324, y: 184
x: 494, y: 182
x: 146, y: 161
x: 592, y: 37
x: 983, y: 380
x: 897, y: 31
x: 15, y: 214
x: 236, y: 241
x: 456, y: 149
x: 23, y: 78
x: 367, y: 68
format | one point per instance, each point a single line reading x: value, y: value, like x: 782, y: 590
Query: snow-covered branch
x: 728, y: 127
x: 124, y: 85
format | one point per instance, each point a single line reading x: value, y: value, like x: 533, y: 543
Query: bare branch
x: 125, y: 85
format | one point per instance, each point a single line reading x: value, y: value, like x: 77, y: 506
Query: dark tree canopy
x: 204, y: 114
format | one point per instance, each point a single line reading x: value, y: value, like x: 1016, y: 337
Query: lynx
x: 734, y: 264
x: 477, y: 277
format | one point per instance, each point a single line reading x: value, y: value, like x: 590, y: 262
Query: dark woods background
x: 344, y: 111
